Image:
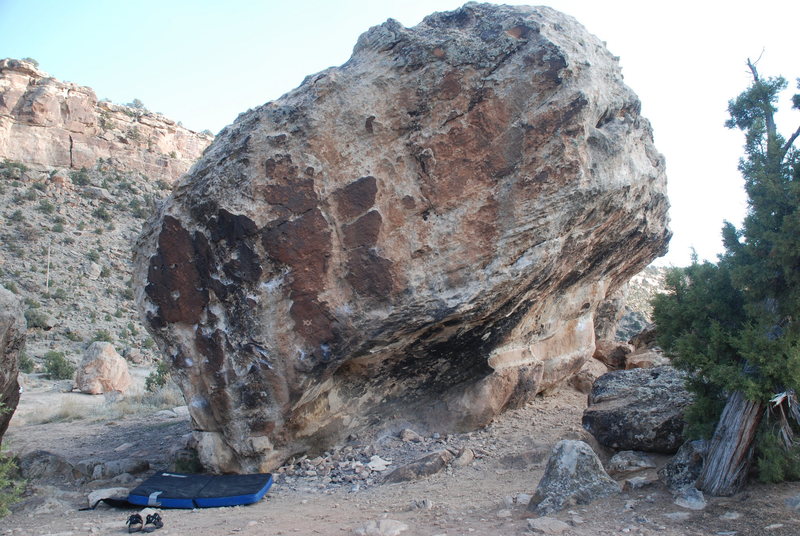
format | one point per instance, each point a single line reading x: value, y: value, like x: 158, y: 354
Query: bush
x: 26, y: 364
x: 57, y: 228
x: 46, y: 207
x: 102, y: 335
x: 74, y: 337
x: 93, y: 256
x: 79, y: 178
x: 57, y: 366
x: 101, y: 214
x: 33, y: 61
x: 36, y: 319
x: 10, y: 487
x: 17, y: 216
x: 158, y: 378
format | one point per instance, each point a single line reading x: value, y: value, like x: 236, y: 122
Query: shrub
x: 79, y: 178
x: 74, y: 337
x: 10, y: 487
x: 101, y: 214
x: 25, y: 363
x: 103, y: 335
x: 33, y: 61
x: 57, y: 366
x: 158, y: 378
x: 105, y: 272
x: 17, y: 216
x: 36, y: 319
x: 57, y: 228
x: 93, y: 255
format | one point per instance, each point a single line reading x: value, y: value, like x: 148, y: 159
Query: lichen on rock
x: 421, y: 235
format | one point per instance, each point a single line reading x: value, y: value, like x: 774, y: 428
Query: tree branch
x: 789, y: 142
x: 772, y: 131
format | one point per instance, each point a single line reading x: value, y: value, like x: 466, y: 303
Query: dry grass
x: 78, y: 407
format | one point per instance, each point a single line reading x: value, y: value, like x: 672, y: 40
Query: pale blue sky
x: 203, y: 62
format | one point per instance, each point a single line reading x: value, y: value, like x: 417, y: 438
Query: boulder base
x: 419, y: 237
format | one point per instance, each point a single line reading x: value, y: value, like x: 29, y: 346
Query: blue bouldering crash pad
x: 177, y: 490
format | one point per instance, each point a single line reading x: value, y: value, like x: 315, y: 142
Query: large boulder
x: 12, y: 341
x: 102, y: 370
x: 638, y: 409
x: 421, y: 235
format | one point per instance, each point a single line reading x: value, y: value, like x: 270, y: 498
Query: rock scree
x: 418, y: 237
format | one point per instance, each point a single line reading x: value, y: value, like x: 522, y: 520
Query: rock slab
x: 12, y: 341
x: 574, y: 475
x: 421, y: 236
x: 638, y: 409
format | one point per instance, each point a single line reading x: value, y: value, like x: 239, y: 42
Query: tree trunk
x: 729, y: 455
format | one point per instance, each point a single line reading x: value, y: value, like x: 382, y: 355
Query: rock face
x: 12, y: 340
x: 102, y: 370
x: 574, y: 475
x: 48, y: 123
x: 422, y: 234
x: 638, y: 409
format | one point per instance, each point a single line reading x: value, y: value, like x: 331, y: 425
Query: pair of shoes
x: 153, y: 522
x: 135, y: 523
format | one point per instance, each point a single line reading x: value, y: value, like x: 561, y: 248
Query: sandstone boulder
x: 12, y: 341
x: 102, y: 370
x: 639, y: 409
x: 574, y: 475
x: 419, y: 236
x: 646, y: 359
x: 612, y: 353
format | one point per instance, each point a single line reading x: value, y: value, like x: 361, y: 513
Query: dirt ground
x: 477, y: 499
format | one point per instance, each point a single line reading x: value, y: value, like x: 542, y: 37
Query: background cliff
x: 48, y: 123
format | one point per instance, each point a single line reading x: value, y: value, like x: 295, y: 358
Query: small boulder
x: 645, y: 339
x: 691, y: 498
x: 583, y: 380
x: 639, y: 409
x: 102, y: 370
x: 629, y: 461
x: 684, y: 469
x: 646, y: 359
x: 383, y: 527
x: 427, y: 466
x: 612, y: 353
x: 574, y: 475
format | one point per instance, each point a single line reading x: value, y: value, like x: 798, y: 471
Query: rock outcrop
x: 12, y: 340
x: 48, y: 123
x: 421, y: 235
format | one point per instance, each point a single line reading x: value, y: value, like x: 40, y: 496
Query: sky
x: 204, y: 62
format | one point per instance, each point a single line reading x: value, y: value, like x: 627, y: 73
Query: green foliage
x: 36, y: 319
x: 733, y: 325
x: 74, y: 337
x: 158, y: 378
x: 774, y: 462
x: 26, y: 364
x: 101, y: 214
x: 105, y: 271
x: 33, y: 61
x: 103, y: 335
x: 57, y: 366
x: 93, y: 255
x: 46, y: 207
x: 80, y: 178
x: 17, y: 216
x: 10, y: 487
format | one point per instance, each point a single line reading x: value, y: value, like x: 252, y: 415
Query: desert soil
x: 476, y: 499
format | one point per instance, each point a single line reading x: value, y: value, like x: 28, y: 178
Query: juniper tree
x: 735, y: 325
